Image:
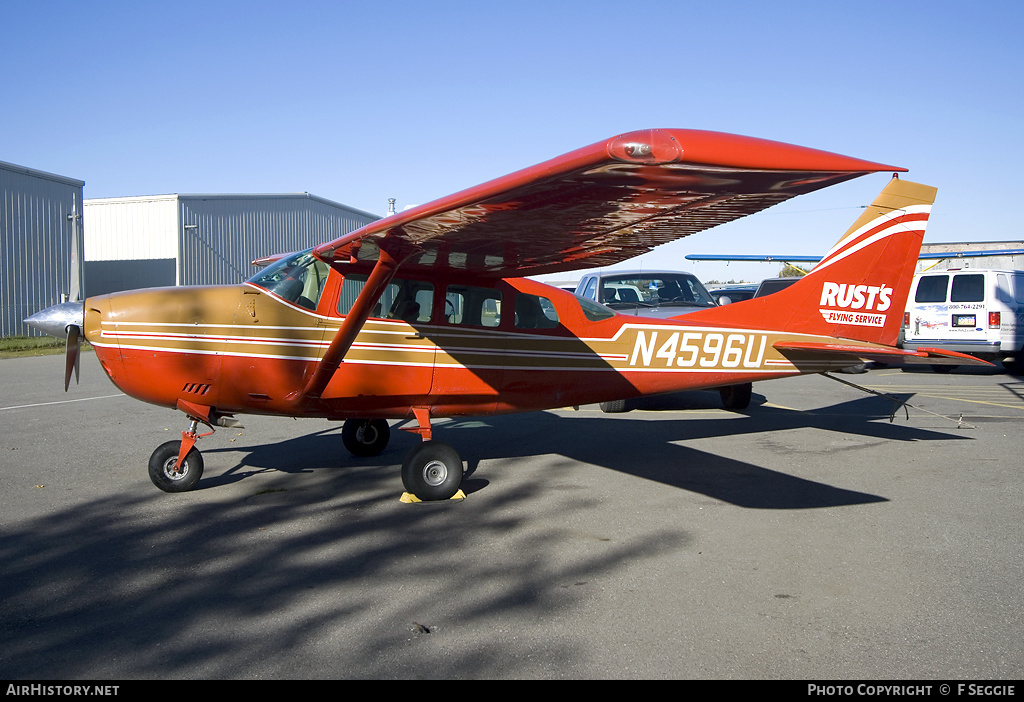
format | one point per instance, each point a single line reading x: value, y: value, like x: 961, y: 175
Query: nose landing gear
x: 176, y: 466
x: 170, y: 475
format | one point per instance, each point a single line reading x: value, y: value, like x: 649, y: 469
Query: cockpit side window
x: 408, y: 300
x: 298, y: 278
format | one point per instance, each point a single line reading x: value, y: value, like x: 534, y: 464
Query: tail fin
x: 859, y: 289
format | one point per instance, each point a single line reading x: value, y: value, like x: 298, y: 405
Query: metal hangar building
x: 160, y: 240
x: 40, y: 244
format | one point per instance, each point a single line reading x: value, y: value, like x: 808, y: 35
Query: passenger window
x: 408, y: 300
x: 593, y: 311
x: 535, y: 312
x: 968, y: 288
x: 472, y: 306
x: 932, y: 288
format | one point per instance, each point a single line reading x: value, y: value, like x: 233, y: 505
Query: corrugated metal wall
x: 35, y: 242
x: 222, y: 234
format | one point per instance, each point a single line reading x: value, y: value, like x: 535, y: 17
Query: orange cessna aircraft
x: 426, y: 314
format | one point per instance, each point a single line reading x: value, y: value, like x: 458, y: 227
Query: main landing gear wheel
x: 365, y: 437
x: 161, y: 468
x: 736, y: 397
x: 432, y: 471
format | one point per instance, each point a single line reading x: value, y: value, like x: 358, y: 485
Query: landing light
x: 637, y: 150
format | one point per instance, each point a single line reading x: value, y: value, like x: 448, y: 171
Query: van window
x: 1018, y: 288
x: 968, y: 288
x: 932, y: 288
x: 1003, y: 289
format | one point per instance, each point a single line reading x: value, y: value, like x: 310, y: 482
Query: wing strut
x: 376, y: 283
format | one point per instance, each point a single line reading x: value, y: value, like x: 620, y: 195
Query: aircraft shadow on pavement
x: 632, y: 444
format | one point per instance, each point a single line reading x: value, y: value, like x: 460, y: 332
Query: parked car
x: 773, y: 285
x: 971, y: 310
x: 659, y: 294
x: 738, y: 293
x: 733, y: 293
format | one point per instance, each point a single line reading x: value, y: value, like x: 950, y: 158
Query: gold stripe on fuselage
x: 251, y: 324
x: 634, y: 348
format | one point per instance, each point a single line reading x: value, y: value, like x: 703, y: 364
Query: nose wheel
x: 177, y: 466
x: 167, y: 475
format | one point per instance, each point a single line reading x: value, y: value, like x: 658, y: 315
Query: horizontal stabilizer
x: 882, y: 354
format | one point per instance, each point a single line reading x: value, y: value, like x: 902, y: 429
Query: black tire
x: 736, y: 397
x: 365, y: 437
x: 853, y: 370
x: 1015, y: 364
x: 614, y: 407
x: 432, y: 471
x: 161, y: 468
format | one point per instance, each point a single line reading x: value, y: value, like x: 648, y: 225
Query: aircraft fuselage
x: 473, y: 348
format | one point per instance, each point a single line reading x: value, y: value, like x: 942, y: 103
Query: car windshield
x: 654, y: 290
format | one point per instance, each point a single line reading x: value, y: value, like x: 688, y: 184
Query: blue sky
x: 359, y: 102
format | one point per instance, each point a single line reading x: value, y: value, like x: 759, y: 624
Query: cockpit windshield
x: 654, y: 290
x: 298, y: 278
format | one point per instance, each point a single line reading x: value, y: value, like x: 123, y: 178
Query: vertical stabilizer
x: 859, y: 289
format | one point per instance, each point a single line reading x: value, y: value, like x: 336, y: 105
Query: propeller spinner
x: 64, y: 320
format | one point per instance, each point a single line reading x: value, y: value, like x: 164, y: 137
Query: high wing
x: 601, y: 204
x: 592, y: 207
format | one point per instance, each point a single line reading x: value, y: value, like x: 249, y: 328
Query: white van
x: 979, y: 311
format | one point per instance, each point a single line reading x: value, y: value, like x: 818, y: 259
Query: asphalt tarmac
x: 825, y: 534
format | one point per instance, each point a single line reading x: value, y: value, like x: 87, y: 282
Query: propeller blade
x: 72, y: 353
